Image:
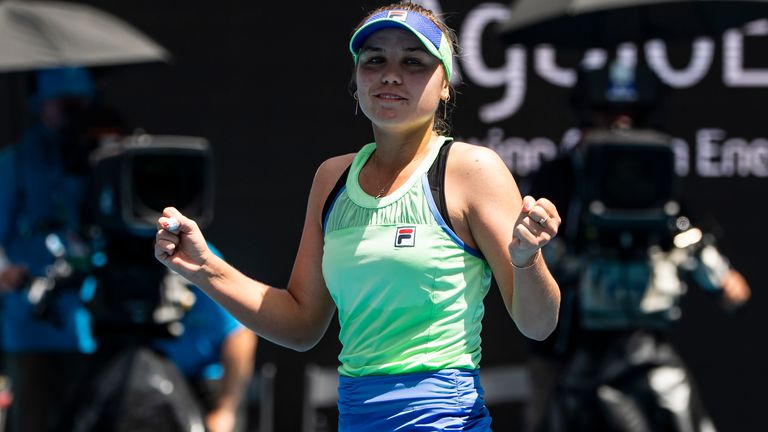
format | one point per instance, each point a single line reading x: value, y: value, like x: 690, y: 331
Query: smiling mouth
x: 390, y: 96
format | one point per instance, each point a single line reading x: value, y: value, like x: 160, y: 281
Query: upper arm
x: 306, y: 283
x: 485, y: 198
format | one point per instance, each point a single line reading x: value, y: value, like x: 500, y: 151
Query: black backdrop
x: 266, y: 83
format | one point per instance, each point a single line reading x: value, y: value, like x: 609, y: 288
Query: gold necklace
x: 387, y: 185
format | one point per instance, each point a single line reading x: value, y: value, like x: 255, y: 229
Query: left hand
x: 536, y: 225
x: 220, y: 420
x: 736, y: 290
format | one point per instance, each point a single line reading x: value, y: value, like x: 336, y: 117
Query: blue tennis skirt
x: 446, y: 400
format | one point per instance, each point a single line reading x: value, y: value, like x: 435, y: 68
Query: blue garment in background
x: 197, y: 352
x: 37, y: 198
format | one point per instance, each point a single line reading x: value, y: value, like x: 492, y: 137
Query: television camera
x: 131, y: 180
x: 634, y: 248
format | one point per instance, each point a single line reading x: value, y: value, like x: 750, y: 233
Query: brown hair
x: 442, y: 123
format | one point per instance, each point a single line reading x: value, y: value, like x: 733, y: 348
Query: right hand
x: 184, y: 251
x: 12, y: 277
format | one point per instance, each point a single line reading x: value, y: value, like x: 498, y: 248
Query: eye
x: 371, y: 59
x: 375, y: 60
x: 419, y: 59
x: 413, y: 61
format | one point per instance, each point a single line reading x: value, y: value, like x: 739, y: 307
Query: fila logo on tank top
x: 405, y: 236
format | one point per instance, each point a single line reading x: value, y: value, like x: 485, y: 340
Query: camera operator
x: 624, y: 260
x: 216, y: 355
x: 46, y: 339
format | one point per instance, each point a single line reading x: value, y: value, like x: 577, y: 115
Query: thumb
x: 172, y: 212
x: 173, y: 221
x: 528, y: 203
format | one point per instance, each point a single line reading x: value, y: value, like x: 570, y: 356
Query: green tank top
x: 409, y: 292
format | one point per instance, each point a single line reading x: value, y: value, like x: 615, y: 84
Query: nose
x: 391, y: 76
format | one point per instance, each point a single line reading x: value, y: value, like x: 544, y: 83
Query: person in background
x: 216, y: 354
x: 626, y: 255
x: 407, y: 270
x: 46, y: 331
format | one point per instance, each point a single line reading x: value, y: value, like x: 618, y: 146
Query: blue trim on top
x: 440, y: 221
x: 381, y: 20
x: 330, y: 209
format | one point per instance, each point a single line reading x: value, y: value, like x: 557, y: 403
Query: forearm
x: 535, y: 302
x: 238, y: 361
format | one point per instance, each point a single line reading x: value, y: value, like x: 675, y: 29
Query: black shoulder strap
x: 436, y: 177
x: 334, y: 192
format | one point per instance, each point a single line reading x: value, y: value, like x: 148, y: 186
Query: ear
x: 445, y: 91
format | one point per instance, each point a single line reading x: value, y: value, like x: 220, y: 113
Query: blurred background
x: 265, y: 83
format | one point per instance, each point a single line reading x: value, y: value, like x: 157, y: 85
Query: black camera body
x: 135, y: 178
x: 627, y: 186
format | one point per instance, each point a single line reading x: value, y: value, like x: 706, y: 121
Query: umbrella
x: 42, y: 34
x: 584, y: 24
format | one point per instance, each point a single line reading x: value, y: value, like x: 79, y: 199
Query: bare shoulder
x: 326, y: 176
x: 329, y: 171
x: 479, y: 179
x: 476, y: 163
x: 480, y: 192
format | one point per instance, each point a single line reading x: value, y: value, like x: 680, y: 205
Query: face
x: 56, y: 113
x: 399, y: 83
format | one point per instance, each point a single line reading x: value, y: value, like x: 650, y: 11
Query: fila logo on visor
x: 397, y: 15
x: 405, y: 237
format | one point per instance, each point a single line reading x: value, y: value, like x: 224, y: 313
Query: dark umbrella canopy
x: 605, y: 23
x: 43, y: 34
